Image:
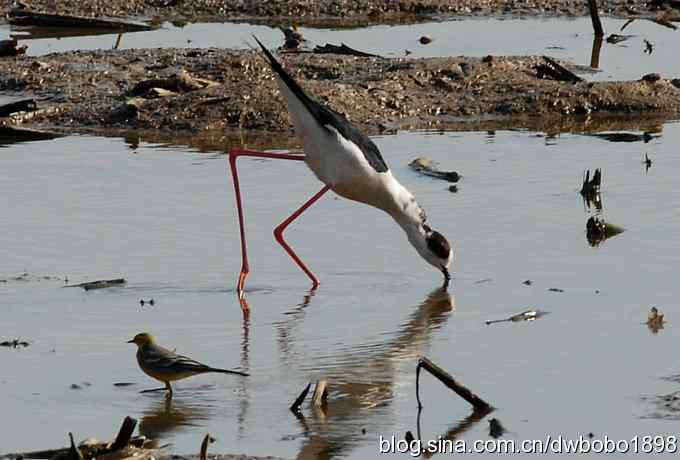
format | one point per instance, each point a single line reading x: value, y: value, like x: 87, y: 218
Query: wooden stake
x: 595, y: 18
x: 478, y: 403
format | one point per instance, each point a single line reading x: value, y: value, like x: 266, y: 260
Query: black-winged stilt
x: 348, y: 163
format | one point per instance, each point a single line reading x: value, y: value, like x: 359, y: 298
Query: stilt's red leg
x: 233, y: 155
x: 278, y: 234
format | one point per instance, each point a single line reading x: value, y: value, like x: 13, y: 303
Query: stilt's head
x: 434, y: 248
x: 142, y: 339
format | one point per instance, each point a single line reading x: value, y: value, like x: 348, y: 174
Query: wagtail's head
x: 142, y: 339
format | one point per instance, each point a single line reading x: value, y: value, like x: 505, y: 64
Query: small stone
x: 425, y: 40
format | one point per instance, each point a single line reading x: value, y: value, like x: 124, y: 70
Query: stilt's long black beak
x: 447, y: 276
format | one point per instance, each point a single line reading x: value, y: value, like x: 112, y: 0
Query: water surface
x: 564, y: 38
x: 88, y: 208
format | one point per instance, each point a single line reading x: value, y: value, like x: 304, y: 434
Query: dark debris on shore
x: 94, y: 89
x: 334, y: 12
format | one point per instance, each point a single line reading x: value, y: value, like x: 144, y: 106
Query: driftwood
x: 342, y: 49
x: 595, y: 18
x: 100, y: 284
x: 295, y: 407
x: 94, y: 450
x: 551, y: 70
x: 180, y: 82
x: 461, y: 390
x: 14, y: 343
x: 528, y: 315
x: 24, y: 17
x: 24, y: 105
x: 427, y: 167
x: 10, y: 48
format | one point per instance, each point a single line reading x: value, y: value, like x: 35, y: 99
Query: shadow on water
x: 362, y: 380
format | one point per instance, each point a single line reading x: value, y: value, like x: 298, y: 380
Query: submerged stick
x: 99, y: 284
x: 461, y: 390
x: 295, y: 407
x: 595, y: 18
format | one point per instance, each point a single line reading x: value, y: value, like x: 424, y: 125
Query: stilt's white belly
x: 342, y: 166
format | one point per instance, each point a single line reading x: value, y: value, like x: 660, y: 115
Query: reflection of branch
x: 595, y: 53
x: 461, y: 390
x: 456, y: 430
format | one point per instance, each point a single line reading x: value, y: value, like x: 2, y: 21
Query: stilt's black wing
x: 326, y: 116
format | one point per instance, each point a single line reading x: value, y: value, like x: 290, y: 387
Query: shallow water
x: 89, y: 208
x: 564, y: 38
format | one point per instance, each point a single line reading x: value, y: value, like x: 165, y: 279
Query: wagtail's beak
x: 131, y: 341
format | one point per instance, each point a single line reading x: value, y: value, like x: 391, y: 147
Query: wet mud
x: 231, y: 91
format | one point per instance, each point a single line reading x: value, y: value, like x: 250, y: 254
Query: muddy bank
x: 336, y: 12
x: 197, y: 90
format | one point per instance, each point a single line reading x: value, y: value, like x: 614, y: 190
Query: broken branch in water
x: 100, y: 284
x: 528, y: 315
x: 204, y: 446
x: 295, y: 407
x: 478, y: 403
x: 342, y: 49
x: 595, y: 18
x: 427, y: 167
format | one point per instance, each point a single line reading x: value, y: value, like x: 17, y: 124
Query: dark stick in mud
x: 461, y: 390
x: 595, y: 18
x: 295, y: 407
x: 74, y: 452
x: 124, y: 434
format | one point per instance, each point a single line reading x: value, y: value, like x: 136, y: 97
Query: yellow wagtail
x: 167, y: 366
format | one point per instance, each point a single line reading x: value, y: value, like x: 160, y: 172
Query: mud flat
x: 335, y: 12
x: 203, y: 90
